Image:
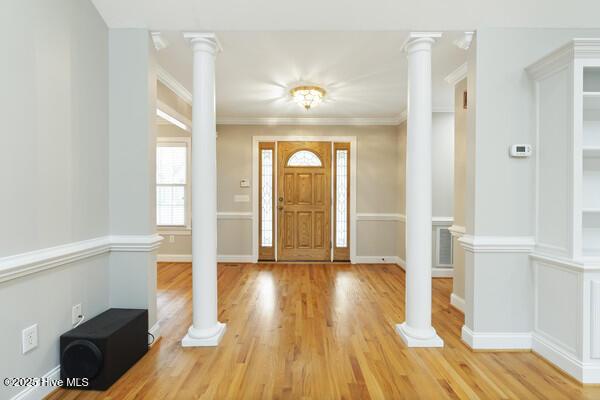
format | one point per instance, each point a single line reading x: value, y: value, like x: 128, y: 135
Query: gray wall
x: 132, y: 165
x: 500, y: 189
x: 378, y: 183
x: 53, y: 158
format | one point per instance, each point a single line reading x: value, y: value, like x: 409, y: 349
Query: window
x: 266, y: 154
x: 172, y: 202
x: 304, y: 158
x: 341, y: 250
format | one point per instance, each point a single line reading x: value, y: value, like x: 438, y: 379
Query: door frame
x: 255, y: 190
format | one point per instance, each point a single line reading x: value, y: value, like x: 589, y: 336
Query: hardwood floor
x: 322, y: 331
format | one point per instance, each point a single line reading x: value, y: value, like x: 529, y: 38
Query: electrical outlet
x: 30, y: 338
x: 171, y: 238
x: 75, y: 314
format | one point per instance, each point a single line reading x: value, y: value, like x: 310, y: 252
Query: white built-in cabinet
x: 566, y: 259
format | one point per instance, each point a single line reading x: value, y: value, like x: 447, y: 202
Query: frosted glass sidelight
x: 304, y: 158
x: 341, y: 206
x: 266, y: 190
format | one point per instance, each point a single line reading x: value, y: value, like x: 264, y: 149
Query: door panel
x: 304, y: 203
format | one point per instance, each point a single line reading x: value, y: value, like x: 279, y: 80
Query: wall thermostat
x: 520, y: 150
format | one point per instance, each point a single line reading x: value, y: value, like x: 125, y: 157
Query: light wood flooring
x: 322, y: 331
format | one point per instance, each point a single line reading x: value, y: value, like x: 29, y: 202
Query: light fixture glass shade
x: 308, y: 96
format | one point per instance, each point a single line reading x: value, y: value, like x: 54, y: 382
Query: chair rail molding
x: 18, y: 265
x: 497, y: 244
x: 457, y: 230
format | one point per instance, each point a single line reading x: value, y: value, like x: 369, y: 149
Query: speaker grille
x: 81, y: 359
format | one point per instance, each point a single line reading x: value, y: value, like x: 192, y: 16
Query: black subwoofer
x: 96, y: 353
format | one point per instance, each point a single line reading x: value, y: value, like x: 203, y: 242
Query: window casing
x: 172, y: 183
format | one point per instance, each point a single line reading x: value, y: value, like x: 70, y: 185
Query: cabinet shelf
x: 591, y: 151
x: 591, y: 100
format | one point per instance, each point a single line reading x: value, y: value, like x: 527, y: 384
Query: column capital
x: 420, y: 41
x: 203, y: 41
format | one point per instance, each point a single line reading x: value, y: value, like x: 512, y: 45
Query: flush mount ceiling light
x: 308, y: 96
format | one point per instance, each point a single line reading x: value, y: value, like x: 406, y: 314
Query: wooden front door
x: 304, y: 201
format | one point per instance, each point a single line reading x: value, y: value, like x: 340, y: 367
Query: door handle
x: 280, y: 208
x: 281, y: 199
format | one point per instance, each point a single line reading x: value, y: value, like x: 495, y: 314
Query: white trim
x: 497, y: 244
x: 583, y: 372
x: 497, y: 340
x: 40, y: 392
x: 380, y: 217
x: 174, y: 258
x: 446, y: 221
x: 457, y: 230
x: 457, y: 75
x: 236, y: 258
x: 576, y: 48
x: 155, y: 331
x: 442, y: 272
x: 137, y: 243
x: 570, y: 264
x: 160, y: 43
x: 234, y: 215
x: 377, y: 260
x: 344, y: 121
x: 255, y: 190
x: 458, y: 302
x: 23, y: 264
x: 175, y: 232
x: 173, y: 116
x: 222, y: 258
x: 337, y: 121
x: 169, y: 81
x: 18, y: 265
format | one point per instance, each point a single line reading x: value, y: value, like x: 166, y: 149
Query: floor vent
x: 444, y: 247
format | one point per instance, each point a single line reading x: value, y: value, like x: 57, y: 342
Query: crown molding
x: 352, y: 121
x: 464, y: 42
x: 159, y: 41
x: 173, y: 84
x: 457, y: 75
x: 307, y: 121
x: 561, y: 57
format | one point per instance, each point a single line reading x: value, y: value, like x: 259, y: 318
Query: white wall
x: 53, y: 162
x: 500, y: 189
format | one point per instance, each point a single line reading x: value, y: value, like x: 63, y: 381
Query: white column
x: 416, y: 330
x: 206, y: 330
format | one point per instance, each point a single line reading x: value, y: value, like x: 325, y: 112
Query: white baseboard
x: 155, y: 331
x: 174, y: 258
x: 583, y: 372
x: 224, y: 258
x: 457, y: 302
x: 496, y: 340
x: 39, y: 392
x: 439, y: 272
x: 236, y: 258
x: 376, y: 260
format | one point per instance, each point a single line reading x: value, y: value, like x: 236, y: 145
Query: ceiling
x: 343, y: 15
x: 364, y: 73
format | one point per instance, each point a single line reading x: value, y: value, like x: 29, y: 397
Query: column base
x: 413, y: 338
x: 204, y: 337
